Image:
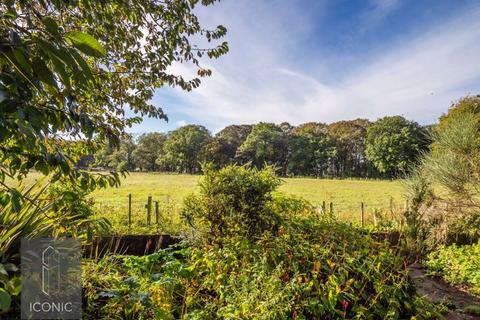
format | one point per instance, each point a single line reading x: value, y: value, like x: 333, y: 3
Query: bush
x: 233, y: 201
x: 458, y: 265
x: 445, y: 189
x: 312, y: 270
x: 71, y: 211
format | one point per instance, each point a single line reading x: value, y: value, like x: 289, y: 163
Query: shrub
x: 445, y: 188
x: 71, y: 211
x: 311, y: 270
x: 458, y: 265
x: 233, y: 201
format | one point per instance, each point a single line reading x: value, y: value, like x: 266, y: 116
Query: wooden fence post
x: 156, y: 212
x: 331, y: 207
x: 363, y: 216
x: 129, y: 209
x: 149, y: 210
x: 391, y: 205
x: 324, y: 209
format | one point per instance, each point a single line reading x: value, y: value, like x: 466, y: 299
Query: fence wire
x: 164, y: 213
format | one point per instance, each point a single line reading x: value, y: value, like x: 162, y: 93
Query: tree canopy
x: 222, y: 149
x: 149, y: 148
x: 466, y: 105
x: 309, y: 149
x: 315, y: 149
x: 393, y: 144
x: 71, y: 69
x: 266, y: 144
x: 182, y: 149
x: 348, y: 138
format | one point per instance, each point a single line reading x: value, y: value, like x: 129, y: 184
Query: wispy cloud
x: 377, y: 12
x: 260, y: 80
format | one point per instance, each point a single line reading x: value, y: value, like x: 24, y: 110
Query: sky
x: 329, y: 60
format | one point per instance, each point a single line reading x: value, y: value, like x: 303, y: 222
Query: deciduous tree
x: 149, y: 148
x: 393, y: 144
x: 222, y: 149
x: 266, y: 144
x: 348, y: 138
x: 70, y: 69
x: 182, y: 149
x: 309, y: 149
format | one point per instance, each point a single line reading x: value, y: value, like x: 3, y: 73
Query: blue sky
x: 305, y: 60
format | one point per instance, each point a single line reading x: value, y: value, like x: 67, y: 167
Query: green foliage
x: 348, y: 143
x: 70, y: 68
x: 455, y: 158
x: 466, y: 105
x: 233, y: 201
x: 44, y: 210
x: 458, y: 265
x: 10, y: 286
x: 312, y: 270
x: 71, y: 212
x: 394, y: 144
x: 149, y: 147
x: 472, y: 309
x: 23, y: 213
x: 149, y: 287
x: 181, y: 150
x: 121, y: 159
x: 445, y: 188
x: 265, y: 145
x: 309, y: 149
x: 222, y: 149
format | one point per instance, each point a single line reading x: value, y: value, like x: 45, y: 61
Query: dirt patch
x: 438, y: 291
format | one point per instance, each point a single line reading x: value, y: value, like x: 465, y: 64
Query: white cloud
x: 180, y: 123
x: 258, y: 81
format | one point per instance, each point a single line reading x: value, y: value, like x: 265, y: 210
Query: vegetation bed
x: 458, y: 265
x: 310, y: 270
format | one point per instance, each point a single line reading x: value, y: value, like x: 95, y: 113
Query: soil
x: 438, y: 291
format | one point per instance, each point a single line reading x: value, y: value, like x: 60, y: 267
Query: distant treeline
x: 354, y: 148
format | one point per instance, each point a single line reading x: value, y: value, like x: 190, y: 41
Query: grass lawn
x: 170, y: 190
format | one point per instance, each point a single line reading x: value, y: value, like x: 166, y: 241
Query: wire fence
x: 163, y: 214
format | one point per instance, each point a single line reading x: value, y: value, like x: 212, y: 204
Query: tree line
x: 355, y: 148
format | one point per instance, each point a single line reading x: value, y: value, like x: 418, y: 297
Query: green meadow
x: 169, y: 190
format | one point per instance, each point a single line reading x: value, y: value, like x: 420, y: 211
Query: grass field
x: 170, y: 190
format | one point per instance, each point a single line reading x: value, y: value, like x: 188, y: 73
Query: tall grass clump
x: 445, y: 188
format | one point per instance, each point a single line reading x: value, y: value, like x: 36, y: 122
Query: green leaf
x: 22, y: 61
x: 60, y: 68
x: 85, y: 43
x: 5, y: 300
x: 15, y: 198
x: 10, y: 267
x: 51, y: 26
x: 3, y: 271
x: 43, y: 72
x: 87, y: 71
x: 14, y: 286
